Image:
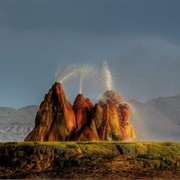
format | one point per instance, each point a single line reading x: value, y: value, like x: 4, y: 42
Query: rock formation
x: 58, y: 120
x: 55, y: 120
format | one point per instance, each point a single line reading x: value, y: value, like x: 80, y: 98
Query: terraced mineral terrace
x: 67, y: 160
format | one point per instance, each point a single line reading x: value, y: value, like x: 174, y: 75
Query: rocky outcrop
x: 58, y: 120
x: 112, y: 117
x: 55, y: 120
x: 82, y: 110
x: 85, y: 130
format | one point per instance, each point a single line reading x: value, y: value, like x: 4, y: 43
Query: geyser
x: 58, y: 120
x: 107, y: 120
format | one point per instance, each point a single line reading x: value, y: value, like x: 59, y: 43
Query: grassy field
x: 106, y: 147
x: 90, y: 159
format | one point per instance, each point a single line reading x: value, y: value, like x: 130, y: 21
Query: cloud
x: 149, y: 69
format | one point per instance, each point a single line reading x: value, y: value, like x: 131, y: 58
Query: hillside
x: 169, y: 106
x: 15, y: 124
x: 152, y: 125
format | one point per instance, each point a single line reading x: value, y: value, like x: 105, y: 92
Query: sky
x: 139, y: 39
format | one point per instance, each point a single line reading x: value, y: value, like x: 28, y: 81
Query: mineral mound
x: 58, y: 120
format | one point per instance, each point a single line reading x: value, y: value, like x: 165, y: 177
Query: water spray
x: 81, y: 83
x: 73, y: 71
x: 90, y: 79
x: 108, y: 76
x: 69, y: 72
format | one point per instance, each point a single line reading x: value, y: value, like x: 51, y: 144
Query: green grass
x: 112, y: 147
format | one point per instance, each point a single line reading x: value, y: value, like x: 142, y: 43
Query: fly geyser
x: 58, y: 120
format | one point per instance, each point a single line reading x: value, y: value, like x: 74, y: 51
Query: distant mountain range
x: 156, y: 120
x: 15, y: 124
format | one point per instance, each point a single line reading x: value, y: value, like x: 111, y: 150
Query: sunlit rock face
x: 58, y: 120
x: 117, y: 113
x: 55, y: 120
x: 82, y: 111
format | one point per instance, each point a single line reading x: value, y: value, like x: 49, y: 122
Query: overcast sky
x: 140, y: 39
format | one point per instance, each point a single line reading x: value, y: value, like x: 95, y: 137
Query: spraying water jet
x: 82, y: 72
x: 108, y: 76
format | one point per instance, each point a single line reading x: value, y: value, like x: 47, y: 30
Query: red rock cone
x: 55, y: 120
